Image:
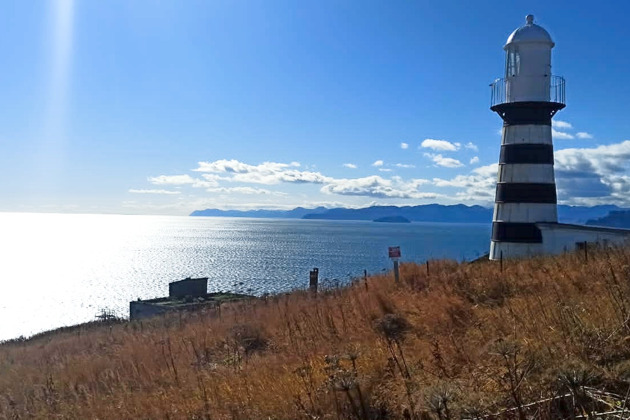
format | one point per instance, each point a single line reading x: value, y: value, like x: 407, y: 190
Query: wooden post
x: 313, y: 279
x: 428, y: 271
x: 586, y: 251
x: 501, y: 260
x: 365, y: 279
x: 396, y: 273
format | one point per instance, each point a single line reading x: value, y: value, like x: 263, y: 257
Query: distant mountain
x: 617, y: 219
x: 580, y: 215
x: 296, y: 213
x: 425, y: 213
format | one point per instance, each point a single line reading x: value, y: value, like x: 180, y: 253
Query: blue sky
x: 164, y: 107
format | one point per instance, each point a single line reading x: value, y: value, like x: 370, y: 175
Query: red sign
x: 394, y: 252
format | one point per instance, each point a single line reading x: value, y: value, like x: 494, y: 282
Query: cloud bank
x: 584, y: 176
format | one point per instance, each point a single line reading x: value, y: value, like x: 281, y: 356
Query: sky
x: 165, y: 107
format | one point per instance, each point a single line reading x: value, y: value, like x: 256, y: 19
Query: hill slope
x: 545, y: 335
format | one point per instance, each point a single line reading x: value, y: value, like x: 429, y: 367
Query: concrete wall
x: 188, y: 287
x: 558, y: 238
x: 139, y: 310
x: 514, y: 250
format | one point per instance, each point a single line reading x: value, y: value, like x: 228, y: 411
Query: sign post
x: 394, y: 254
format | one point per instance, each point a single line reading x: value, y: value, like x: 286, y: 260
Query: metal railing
x: 500, y: 88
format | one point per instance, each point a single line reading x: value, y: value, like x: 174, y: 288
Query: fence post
x: 586, y: 251
x: 313, y: 279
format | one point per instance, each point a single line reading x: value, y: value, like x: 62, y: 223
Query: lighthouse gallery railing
x: 499, y: 91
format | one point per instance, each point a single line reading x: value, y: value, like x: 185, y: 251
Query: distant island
x: 458, y: 213
x: 392, y: 219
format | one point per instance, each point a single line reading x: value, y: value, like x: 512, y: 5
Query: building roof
x: 529, y: 33
x: 188, y: 279
x: 585, y: 228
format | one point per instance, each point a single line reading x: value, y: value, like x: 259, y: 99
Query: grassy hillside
x: 545, y: 338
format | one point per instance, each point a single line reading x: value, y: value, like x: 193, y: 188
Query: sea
x: 63, y: 269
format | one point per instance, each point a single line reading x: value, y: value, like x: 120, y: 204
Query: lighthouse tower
x: 526, y: 99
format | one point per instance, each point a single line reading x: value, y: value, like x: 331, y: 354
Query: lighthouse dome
x: 529, y: 33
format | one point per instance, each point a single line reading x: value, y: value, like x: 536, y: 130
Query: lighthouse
x: 526, y: 99
x: 525, y: 219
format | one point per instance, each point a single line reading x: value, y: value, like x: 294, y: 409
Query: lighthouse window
x: 513, y: 63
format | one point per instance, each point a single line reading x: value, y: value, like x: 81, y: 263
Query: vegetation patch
x: 540, y: 338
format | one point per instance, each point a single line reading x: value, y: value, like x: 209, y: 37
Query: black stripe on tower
x: 526, y: 192
x: 521, y: 113
x: 516, y: 232
x: 526, y: 153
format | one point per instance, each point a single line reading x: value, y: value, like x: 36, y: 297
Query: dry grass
x: 463, y: 341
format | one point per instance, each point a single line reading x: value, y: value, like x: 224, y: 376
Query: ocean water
x: 62, y: 269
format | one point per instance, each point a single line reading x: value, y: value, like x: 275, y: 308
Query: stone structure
x: 188, y: 287
x: 187, y: 294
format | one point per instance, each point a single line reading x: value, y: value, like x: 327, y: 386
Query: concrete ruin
x: 186, y: 294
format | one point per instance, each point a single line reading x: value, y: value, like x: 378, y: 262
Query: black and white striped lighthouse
x: 526, y: 99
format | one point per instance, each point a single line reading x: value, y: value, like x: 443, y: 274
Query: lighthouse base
x: 558, y: 238
x: 500, y: 250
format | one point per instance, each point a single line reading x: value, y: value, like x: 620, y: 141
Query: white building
x: 525, y: 220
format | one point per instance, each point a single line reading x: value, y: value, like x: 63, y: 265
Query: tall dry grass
x: 546, y: 338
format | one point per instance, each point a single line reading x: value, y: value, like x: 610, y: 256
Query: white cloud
x: 404, y: 145
x: 471, y: 146
x: 376, y: 186
x: 610, y: 159
x: 172, y: 180
x: 404, y: 165
x: 164, y: 192
x: 594, y: 175
x: 350, y: 165
x: 583, y: 135
x: 244, y: 190
x: 562, y: 125
x: 275, y: 172
x: 440, y: 145
x: 584, y: 176
x: 183, y: 180
x: 267, y: 173
x: 561, y: 135
x: 234, y: 166
x: 445, y: 162
x: 478, y: 186
x: 474, y: 160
